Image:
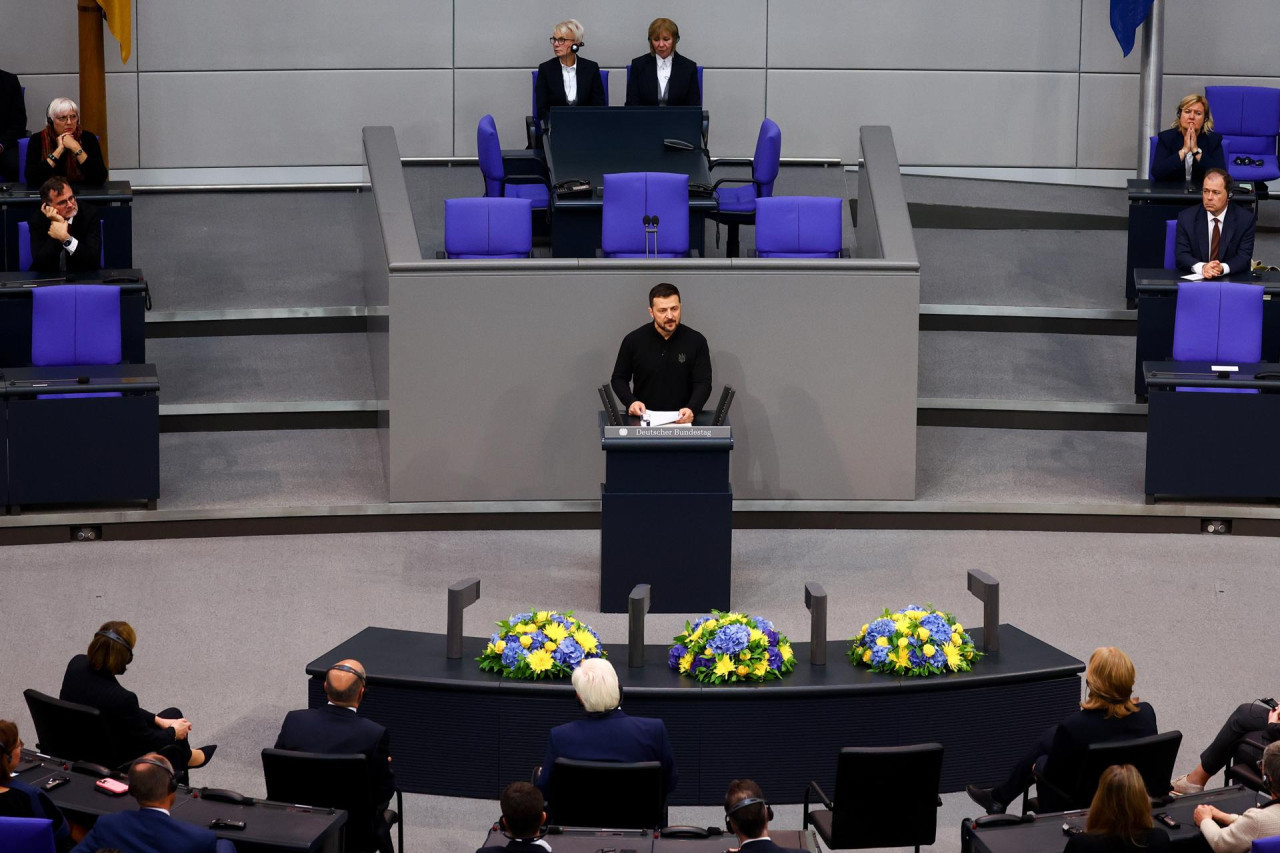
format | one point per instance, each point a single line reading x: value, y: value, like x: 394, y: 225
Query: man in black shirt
x: 663, y: 365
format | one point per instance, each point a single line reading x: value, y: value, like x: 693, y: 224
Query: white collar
x: 352, y: 710
x: 664, y: 64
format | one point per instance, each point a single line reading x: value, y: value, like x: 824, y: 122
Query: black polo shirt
x: 666, y: 374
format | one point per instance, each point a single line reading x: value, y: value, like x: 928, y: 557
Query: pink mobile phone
x: 114, y: 787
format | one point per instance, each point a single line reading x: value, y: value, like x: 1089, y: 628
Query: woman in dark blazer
x: 64, y: 148
x: 567, y: 70
x: 1191, y: 133
x: 644, y: 88
x: 1119, y: 818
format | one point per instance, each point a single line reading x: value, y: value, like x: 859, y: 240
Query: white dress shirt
x: 664, y: 75
x: 570, y: 73
x: 71, y: 250
x: 1221, y: 219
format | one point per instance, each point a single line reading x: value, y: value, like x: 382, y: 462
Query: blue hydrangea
x: 539, y: 640
x: 915, y: 658
x: 772, y: 637
x: 700, y: 621
x: 879, y: 654
x: 763, y: 624
x: 914, y: 641
x: 521, y: 617
x: 563, y: 621
x: 911, y: 607
x: 568, y: 652
x: 495, y: 638
x: 703, y: 663
x: 938, y: 627
x: 775, y: 658
x: 882, y: 627
x: 673, y: 656
x: 730, y: 640
x: 939, y: 657
x: 513, y: 654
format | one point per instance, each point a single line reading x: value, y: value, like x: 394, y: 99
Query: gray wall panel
x: 919, y: 106
x: 503, y: 93
x: 295, y: 34
x: 299, y: 118
x: 41, y: 38
x: 925, y: 34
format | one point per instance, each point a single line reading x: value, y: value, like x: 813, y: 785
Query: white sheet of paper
x: 1195, y: 276
x: 653, y: 418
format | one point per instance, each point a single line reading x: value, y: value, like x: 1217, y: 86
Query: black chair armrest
x: 731, y: 161
x: 1254, y: 739
x: 1044, y: 786
x: 733, y: 181
x: 531, y: 131
x: 537, y: 771
x: 822, y: 797
x: 706, y: 127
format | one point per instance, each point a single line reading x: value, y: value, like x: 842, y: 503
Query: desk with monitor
x: 113, y: 201
x: 15, y: 311
x: 581, y: 839
x: 586, y: 143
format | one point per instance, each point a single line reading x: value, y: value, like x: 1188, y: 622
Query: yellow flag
x: 119, y: 21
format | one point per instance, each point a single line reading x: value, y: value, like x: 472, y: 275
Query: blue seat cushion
x: 536, y: 193
x: 737, y: 198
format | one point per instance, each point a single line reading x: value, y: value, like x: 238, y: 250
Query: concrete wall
x: 1001, y: 83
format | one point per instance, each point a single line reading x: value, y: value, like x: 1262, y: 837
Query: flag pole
x: 1151, y: 82
x: 93, y: 77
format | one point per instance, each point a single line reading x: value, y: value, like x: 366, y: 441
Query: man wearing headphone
x: 1216, y: 237
x: 747, y: 815
x: 150, y: 829
x: 524, y: 815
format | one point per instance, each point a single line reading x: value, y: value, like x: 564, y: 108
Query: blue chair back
x: 25, y: 260
x: 1218, y: 321
x: 22, y: 158
x: 1266, y: 845
x: 1248, y: 117
x: 631, y: 196
x: 768, y: 156
x: 75, y: 324
x: 489, y: 150
x: 1152, y: 141
x: 798, y: 227
x: 26, y: 835
x: 488, y: 227
x: 1171, y: 244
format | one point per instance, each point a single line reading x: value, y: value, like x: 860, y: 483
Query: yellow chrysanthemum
x: 686, y: 662
x: 760, y: 669
x: 500, y: 646
x: 696, y: 634
x: 526, y: 640
x: 745, y: 654
x: 953, y: 656
x: 710, y: 625
x: 927, y: 650
x: 903, y: 642
x: 524, y: 628
x: 923, y: 634
x: 956, y: 639
x: 863, y: 632
x: 541, y: 616
x: 900, y: 658
x: 556, y: 632
x: 785, y: 651
x: 957, y: 628
x: 585, y: 639
x: 735, y: 617
x: 866, y: 656
x: 724, y: 665
x: 756, y: 635
x: 882, y: 641
x: 916, y: 615
x: 539, y: 661
x: 549, y: 646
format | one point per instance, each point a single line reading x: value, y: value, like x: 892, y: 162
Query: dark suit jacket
x: 515, y: 844
x: 147, y: 831
x: 682, y: 88
x: 1088, y: 727
x: 1235, y: 247
x: 611, y: 736
x: 765, y: 845
x: 13, y: 118
x: 1167, y: 167
x: 45, y: 252
x: 335, y: 731
x: 550, y: 88
x: 133, y: 730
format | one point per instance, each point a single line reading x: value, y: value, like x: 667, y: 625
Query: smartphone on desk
x: 114, y: 787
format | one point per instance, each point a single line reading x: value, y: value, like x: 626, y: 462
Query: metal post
x: 462, y: 595
x: 815, y: 598
x: 1150, y: 83
x: 637, y: 607
x: 987, y: 590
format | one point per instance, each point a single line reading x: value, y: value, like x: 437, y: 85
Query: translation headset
x: 173, y: 780
x: 111, y: 635
x: 742, y: 804
x: 342, y: 667
x: 574, y: 48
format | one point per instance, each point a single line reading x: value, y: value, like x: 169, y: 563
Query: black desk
x: 449, y: 737
x: 269, y: 826
x: 15, y: 312
x: 1045, y: 834
x: 674, y: 479
x: 588, y: 840
x: 590, y: 142
x: 83, y: 450
x: 114, y: 201
x: 1209, y: 445
x: 1151, y: 205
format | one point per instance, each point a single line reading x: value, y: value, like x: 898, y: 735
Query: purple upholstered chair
x: 27, y: 834
x: 25, y: 260
x: 1171, y: 244
x: 737, y: 204
x: 488, y: 227
x: 1248, y: 117
x: 73, y: 324
x: 496, y: 182
x: 1218, y: 321
x: 796, y: 226
x: 22, y: 158
x: 631, y: 196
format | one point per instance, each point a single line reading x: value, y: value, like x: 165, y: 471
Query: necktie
x: 1213, y: 243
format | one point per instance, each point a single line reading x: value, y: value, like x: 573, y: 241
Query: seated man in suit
x: 747, y: 815
x: 64, y: 234
x: 150, y: 829
x: 336, y: 729
x: 523, y: 815
x: 1216, y: 238
x: 607, y: 734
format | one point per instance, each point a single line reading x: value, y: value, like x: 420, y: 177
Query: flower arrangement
x: 914, y: 641
x: 725, y: 647
x: 540, y: 644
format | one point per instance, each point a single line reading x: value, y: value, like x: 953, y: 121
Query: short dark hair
x: 1227, y: 183
x: 749, y: 820
x: 522, y: 808
x: 149, y: 783
x: 662, y: 291
x: 56, y: 184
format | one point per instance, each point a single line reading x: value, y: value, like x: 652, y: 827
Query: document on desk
x: 652, y: 418
x: 1195, y: 276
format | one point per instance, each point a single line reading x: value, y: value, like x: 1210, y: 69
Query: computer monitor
x: 722, y: 407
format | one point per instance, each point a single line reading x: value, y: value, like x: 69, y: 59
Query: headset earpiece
x: 108, y: 632
x: 574, y: 48
x: 173, y: 780
x: 742, y: 804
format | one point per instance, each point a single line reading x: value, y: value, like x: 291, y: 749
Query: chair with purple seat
x: 487, y: 228
x: 22, y: 158
x: 1248, y: 117
x: 630, y: 198
x: 796, y: 226
x: 497, y: 183
x: 1171, y: 244
x: 75, y: 324
x: 1218, y: 321
x: 26, y: 835
x: 737, y: 204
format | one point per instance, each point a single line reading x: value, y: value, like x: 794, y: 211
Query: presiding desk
x: 113, y: 201
x: 1211, y: 445
x: 15, y: 310
x: 580, y: 839
x: 1045, y: 833
x: 269, y: 827
x: 586, y: 143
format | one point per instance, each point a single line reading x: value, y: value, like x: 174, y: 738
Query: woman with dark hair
x: 1120, y: 817
x: 91, y: 680
x: 18, y: 799
x: 64, y: 148
x: 1190, y: 136
x: 663, y: 77
x: 568, y: 78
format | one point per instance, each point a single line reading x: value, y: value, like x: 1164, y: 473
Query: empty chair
x: 75, y: 324
x: 587, y: 793
x: 25, y: 259
x: 497, y: 184
x: 737, y: 204
x: 1219, y: 322
x: 336, y: 782
x: 884, y: 797
x: 1266, y: 845
x: 630, y: 197
x: 488, y: 227
x: 1154, y: 757
x: 1248, y: 117
x: 26, y: 835
x: 71, y: 731
x: 799, y: 227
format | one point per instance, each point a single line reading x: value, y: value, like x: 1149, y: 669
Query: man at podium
x: 663, y: 365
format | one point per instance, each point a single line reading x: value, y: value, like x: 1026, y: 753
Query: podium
x: 666, y: 515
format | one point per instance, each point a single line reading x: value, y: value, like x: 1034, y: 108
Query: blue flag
x: 1126, y: 17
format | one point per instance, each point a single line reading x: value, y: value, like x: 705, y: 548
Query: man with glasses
x: 1215, y: 238
x: 65, y: 236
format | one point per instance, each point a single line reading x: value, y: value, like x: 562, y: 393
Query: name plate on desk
x: 669, y: 431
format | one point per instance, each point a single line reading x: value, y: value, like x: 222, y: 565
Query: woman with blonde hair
x: 1109, y: 712
x: 1120, y: 817
x: 1190, y: 140
x: 568, y: 79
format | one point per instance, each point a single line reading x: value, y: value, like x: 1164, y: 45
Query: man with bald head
x: 336, y: 728
x: 150, y: 829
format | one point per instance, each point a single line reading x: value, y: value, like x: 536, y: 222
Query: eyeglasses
x: 558, y: 40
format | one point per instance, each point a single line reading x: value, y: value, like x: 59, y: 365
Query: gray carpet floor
x: 226, y: 626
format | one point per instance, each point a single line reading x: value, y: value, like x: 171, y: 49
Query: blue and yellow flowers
x: 540, y: 644
x: 914, y: 641
x: 724, y: 647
